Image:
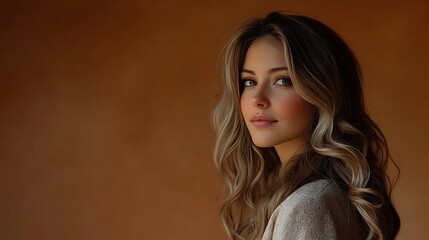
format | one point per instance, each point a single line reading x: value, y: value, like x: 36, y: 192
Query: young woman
x: 299, y: 154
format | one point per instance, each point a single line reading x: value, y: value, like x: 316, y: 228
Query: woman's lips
x: 262, y: 121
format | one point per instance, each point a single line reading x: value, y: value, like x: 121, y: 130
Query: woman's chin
x: 263, y: 144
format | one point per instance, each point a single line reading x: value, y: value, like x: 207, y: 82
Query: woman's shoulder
x: 319, y: 191
x: 318, y: 198
x: 316, y: 210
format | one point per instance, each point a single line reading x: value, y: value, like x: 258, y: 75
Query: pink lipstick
x: 260, y: 121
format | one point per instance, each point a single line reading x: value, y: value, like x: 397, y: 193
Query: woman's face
x: 274, y: 112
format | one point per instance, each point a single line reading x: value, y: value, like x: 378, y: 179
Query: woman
x: 295, y: 146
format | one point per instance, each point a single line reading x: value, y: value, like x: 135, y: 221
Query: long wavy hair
x: 344, y: 144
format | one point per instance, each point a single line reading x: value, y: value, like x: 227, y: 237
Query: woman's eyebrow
x: 272, y: 70
x: 247, y: 71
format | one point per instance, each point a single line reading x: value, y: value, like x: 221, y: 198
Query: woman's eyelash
x: 247, y: 82
x: 287, y: 81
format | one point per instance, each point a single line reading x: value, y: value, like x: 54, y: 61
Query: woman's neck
x: 289, y: 149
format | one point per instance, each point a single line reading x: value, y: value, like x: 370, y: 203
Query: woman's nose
x: 260, y: 99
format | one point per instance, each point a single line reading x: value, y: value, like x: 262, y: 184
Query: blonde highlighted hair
x: 344, y: 144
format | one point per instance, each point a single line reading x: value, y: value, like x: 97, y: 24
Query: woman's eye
x: 284, y: 81
x: 249, y: 82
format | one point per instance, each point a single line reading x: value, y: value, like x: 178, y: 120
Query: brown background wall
x: 105, y: 110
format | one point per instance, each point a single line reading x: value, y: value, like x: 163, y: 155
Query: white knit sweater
x: 317, y: 210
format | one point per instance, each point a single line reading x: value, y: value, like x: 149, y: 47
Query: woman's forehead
x: 265, y: 52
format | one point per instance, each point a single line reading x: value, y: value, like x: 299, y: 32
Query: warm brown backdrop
x: 105, y: 110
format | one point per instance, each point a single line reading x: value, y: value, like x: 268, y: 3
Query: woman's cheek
x: 245, y: 105
x: 293, y: 106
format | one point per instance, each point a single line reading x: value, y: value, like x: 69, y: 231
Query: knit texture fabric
x: 317, y: 210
